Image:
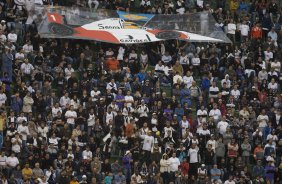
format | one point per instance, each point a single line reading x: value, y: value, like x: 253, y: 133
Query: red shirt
x: 184, y: 167
x: 112, y: 64
x: 256, y: 32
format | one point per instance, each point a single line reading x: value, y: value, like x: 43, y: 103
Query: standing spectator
x: 244, y: 28
x: 193, y: 154
x: 246, y: 151
x: 27, y: 103
x: 231, y: 29
x: 165, y: 168
x: 147, y: 145
x: 174, y: 164
x: 127, y: 161
x: 7, y: 62
x: 270, y: 170
x: 70, y: 116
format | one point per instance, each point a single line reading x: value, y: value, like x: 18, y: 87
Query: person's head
x: 26, y: 165
x: 37, y: 165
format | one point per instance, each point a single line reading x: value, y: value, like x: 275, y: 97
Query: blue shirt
x: 108, y: 179
x: 119, y: 179
x: 215, y: 171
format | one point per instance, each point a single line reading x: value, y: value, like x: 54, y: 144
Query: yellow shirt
x: 74, y: 182
x: 234, y: 5
x: 27, y: 173
x: 2, y: 122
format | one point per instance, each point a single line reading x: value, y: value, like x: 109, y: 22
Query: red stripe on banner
x: 55, y: 18
x: 96, y: 35
x: 153, y: 31
x: 184, y: 36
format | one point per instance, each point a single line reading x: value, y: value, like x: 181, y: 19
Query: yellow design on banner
x: 134, y: 17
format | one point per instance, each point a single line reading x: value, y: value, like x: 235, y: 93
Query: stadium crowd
x: 160, y: 113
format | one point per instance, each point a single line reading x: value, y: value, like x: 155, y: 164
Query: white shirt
x: 143, y: 110
x: 12, y: 37
x: 204, y: 132
x: 111, y: 86
x: 91, y: 120
x: 174, y: 164
x: 188, y: 81
x: 184, y: 126
x: 121, y: 51
x: 68, y: 72
x: 211, y: 142
x: 87, y: 155
x: 177, y: 78
x: 215, y: 113
x: 21, y: 119
x: 227, y: 81
x: 28, y: 48
x: 200, y: 3
x: 196, y: 61
x: 128, y: 98
x: 3, y: 99
x: 166, y: 59
x: 43, y: 131
x: 231, y: 28
x: 222, y: 126
x: 53, y: 141
x: 132, y: 56
x: 16, y: 147
x: 23, y: 130
x: 95, y: 94
x: 268, y: 55
x: 64, y: 101
x: 229, y: 182
x: 235, y: 93
x: 273, y: 86
x: 71, y: 115
x: 193, y: 154
x: 148, y: 142
x: 144, y: 58
x: 159, y: 68
x: 276, y: 66
x: 244, y: 30
x: 39, y: 2
x: 262, y: 75
x: 147, y: 3
x: 109, y: 116
x: 19, y: 55
x: 202, y: 113
x: 214, y: 91
x: 3, y: 160
x: 27, y: 68
x: 56, y: 110
x: 262, y: 119
x: 183, y: 60
x: 109, y: 53
x: 12, y: 161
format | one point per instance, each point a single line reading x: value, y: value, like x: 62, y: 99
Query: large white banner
x: 113, y: 27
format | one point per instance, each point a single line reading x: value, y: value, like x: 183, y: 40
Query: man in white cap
x: 202, y: 172
x: 83, y: 180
